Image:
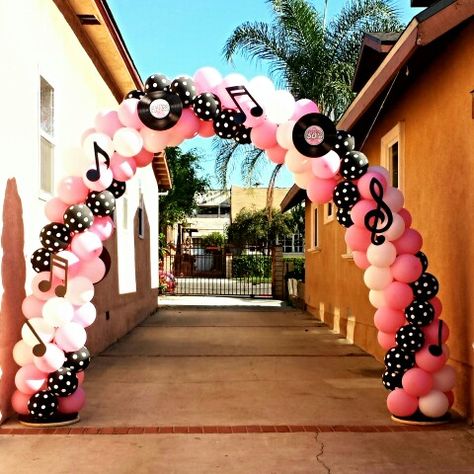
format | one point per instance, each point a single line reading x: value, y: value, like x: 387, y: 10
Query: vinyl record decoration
x: 225, y: 124
x: 63, y: 382
x: 101, y: 203
x: 43, y: 405
x: 354, y: 165
x: 55, y: 237
x: 160, y: 110
x: 117, y: 188
x: 78, y: 218
x: 314, y: 135
x: 41, y: 260
x: 157, y: 82
x: 185, y: 89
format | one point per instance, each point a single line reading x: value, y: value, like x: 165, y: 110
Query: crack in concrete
x: 321, y: 453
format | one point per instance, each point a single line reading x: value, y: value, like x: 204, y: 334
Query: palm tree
x: 311, y: 57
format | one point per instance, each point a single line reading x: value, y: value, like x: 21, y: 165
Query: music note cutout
x: 40, y: 348
x: 45, y: 285
x: 238, y: 91
x: 437, y: 349
x: 382, y: 214
x: 94, y: 174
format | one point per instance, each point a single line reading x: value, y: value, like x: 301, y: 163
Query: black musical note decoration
x: 382, y: 214
x: 45, y: 285
x: 437, y: 349
x: 94, y: 174
x: 40, y: 348
x: 238, y: 91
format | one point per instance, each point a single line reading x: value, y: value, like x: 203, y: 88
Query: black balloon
x: 426, y: 287
x: 243, y: 135
x: 399, y: 360
x: 135, y: 94
x: 423, y: 259
x: 79, y: 360
x: 354, y: 165
x: 206, y: 106
x: 43, y: 405
x: 40, y: 260
x: 226, y: 124
x: 117, y: 188
x: 101, y: 203
x: 55, y: 237
x: 420, y: 313
x: 63, y: 382
x: 346, y: 194
x: 344, y: 142
x: 343, y: 216
x: 157, y: 82
x: 78, y: 218
x: 392, y: 379
x: 184, y: 87
x: 410, y: 338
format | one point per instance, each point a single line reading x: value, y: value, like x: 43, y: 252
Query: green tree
x: 214, y: 239
x: 310, y: 56
x: 180, y: 200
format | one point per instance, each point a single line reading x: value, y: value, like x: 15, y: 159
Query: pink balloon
x: 188, y: 124
x: 104, y: 181
x: 399, y: 403
x: 80, y: 377
x: 20, y: 402
x: 437, y: 305
x: 43, y: 295
x: 445, y: 379
x: 389, y: 320
x: 206, y: 79
x: 86, y: 245
x: 434, y: 404
x: 74, y: 403
x: 377, y: 299
x: 94, y: 270
x: 22, y: 353
x: 381, y: 255
x: 393, y: 197
x: 85, y: 315
x: 417, y: 382
x: 377, y: 278
x: 72, y: 190
x: 276, y: 154
x: 406, y: 268
x: 232, y: 79
x: 51, y: 361
x: 364, y: 184
x: 123, y: 167
x: 357, y: 238
x: 103, y: 227
x: 73, y: 264
x: 29, y: 379
x: 55, y: 209
x: 108, y: 122
x: 386, y: 340
x: 284, y: 134
x: 327, y: 166
x: 206, y: 129
x: 360, y: 259
x: 80, y: 290
x: 32, y: 307
x: 86, y: 133
x: 431, y: 332
x: 70, y: 337
x: 264, y: 136
x: 410, y: 242
x: 320, y: 190
x: 153, y: 140
x: 359, y: 211
x: 398, y: 295
x: 406, y: 216
x: 380, y: 170
x: 128, y: 114
x: 296, y: 162
x: 303, y: 107
x: 144, y: 158
x: 396, y: 229
x: 427, y: 361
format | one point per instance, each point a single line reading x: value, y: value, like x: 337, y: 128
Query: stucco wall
x: 439, y: 175
x: 253, y: 198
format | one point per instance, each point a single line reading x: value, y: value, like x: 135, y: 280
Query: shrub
x: 297, y: 265
x: 251, y: 266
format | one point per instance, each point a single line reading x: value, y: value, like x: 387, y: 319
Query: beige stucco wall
x: 439, y: 176
x: 253, y: 198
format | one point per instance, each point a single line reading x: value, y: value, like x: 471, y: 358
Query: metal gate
x: 226, y: 270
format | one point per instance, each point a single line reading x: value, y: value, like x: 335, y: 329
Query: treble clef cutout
x: 437, y: 349
x: 238, y: 91
x: 94, y: 174
x: 381, y: 215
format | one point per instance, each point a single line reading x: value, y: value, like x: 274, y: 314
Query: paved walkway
x: 235, y: 389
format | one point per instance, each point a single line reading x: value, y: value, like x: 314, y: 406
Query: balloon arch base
x: 53, y: 422
x: 418, y: 419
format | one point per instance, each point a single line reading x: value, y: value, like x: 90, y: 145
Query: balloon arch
x: 52, y: 355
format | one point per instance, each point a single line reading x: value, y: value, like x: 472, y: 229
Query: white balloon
x: 434, y: 405
x: 303, y: 179
x: 44, y: 330
x: 80, y: 291
x: 281, y: 107
x: 262, y: 90
x: 377, y: 298
x: 377, y: 278
x: 58, y: 311
x: 381, y: 255
x: 445, y: 379
x: 127, y: 141
x: 22, y: 353
x: 296, y: 162
x: 284, y: 134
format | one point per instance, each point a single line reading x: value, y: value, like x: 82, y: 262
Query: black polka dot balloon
x: 117, y: 188
x: 392, y: 379
x: 343, y: 216
x: 78, y: 218
x: 55, y: 237
x: 157, y: 82
x: 101, y: 203
x: 423, y: 259
x: 79, y: 360
x: 63, y: 382
x: 207, y: 106
x: 399, y: 360
x: 344, y: 142
x: 135, y: 94
x: 226, y: 124
x: 410, y: 338
x: 40, y: 260
x: 243, y: 135
x: 346, y: 194
x: 426, y: 287
x: 420, y: 313
x: 43, y: 405
x: 184, y: 87
x: 354, y: 165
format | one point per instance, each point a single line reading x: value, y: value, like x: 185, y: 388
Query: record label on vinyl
x: 314, y: 135
x: 159, y: 108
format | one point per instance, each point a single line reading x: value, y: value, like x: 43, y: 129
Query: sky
x: 177, y: 37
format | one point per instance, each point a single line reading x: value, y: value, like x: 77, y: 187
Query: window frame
x: 394, y: 135
x: 314, y: 230
x: 329, y: 217
x: 44, y: 194
x: 141, y: 219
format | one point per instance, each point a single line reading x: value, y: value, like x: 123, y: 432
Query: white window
x: 329, y: 212
x: 392, y: 154
x: 125, y: 212
x: 46, y: 137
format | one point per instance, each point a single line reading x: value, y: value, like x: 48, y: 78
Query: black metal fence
x: 226, y: 270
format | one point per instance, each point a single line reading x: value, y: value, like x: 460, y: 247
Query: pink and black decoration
x: 324, y: 161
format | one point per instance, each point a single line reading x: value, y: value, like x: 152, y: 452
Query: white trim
x: 314, y: 230
x: 329, y: 217
x: 396, y: 134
